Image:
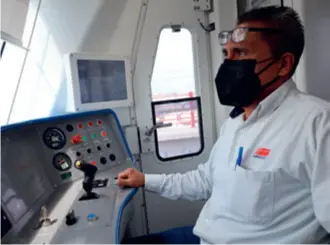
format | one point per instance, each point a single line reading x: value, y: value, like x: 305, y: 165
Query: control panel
x: 91, y: 139
x: 58, y: 180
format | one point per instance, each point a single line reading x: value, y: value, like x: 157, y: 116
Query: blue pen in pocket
x: 239, y: 158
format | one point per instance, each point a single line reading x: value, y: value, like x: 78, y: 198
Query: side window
x: 11, y: 63
x: 176, y: 109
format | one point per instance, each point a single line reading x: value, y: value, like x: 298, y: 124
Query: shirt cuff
x: 153, y: 182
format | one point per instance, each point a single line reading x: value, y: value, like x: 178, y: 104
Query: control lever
x: 44, y: 220
x: 150, y: 131
x: 88, y: 183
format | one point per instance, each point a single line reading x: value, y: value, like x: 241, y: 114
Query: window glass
x: 175, y: 108
x: 173, y: 74
x: 180, y: 130
x: 11, y: 64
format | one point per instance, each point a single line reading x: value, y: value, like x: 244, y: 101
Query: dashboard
x: 58, y: 180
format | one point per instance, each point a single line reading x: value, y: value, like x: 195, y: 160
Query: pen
x: 239, y: 158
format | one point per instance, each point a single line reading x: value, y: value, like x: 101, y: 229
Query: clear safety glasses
x: 239, y: 34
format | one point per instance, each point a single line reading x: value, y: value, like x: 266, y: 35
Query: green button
x: 66, y: 175
x: 94, y: 136
x: 84, y: 138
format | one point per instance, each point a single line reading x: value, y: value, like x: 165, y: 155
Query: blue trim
x: 120, y: 213
x: 76, y: 115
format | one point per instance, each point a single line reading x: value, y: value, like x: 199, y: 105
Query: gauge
x: 62, y: 161
x: 54, y: 138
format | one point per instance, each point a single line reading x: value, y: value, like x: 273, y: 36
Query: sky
x: 174, y: 65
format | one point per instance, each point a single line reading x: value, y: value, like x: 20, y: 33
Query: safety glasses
x: 239, y: 34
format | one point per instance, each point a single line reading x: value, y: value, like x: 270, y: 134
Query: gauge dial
x: 54, y: 138
x: 62, y: 161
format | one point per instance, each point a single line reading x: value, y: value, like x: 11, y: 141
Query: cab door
x: 174, y: 103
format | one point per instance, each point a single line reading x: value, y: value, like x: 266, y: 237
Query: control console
x: 58, y: 180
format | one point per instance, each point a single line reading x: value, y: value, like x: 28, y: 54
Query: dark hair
x: 291, y: 38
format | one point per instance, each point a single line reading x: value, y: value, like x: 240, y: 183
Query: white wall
x: 224, y: 16
x: 313, y: 73
x: 64, y: 26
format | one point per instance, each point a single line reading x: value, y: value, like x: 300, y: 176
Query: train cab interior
x: 90, y: 88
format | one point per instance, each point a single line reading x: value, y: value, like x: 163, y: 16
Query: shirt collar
x: 270, y: 103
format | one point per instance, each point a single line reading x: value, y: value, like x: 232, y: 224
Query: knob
x: 71, y: 219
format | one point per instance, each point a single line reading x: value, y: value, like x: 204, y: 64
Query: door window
x: 176, y: 109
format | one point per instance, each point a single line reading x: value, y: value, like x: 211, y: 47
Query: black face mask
x: 237, y: 83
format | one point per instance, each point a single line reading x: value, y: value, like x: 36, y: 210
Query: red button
x: 99, y: 122
x: 103, y: 133
x: 76, y: 139
x: 93, y: 163
x: 90, y: 124
x: 80, y: 126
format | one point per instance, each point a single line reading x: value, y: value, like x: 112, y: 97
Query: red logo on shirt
x: 261, y: 153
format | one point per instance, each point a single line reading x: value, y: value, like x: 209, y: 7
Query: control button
x: 78, y: 154
x: 108, y: 145
x: 66, y: 176
x: 92, y: 217
x: 76, y: 139
x: 89, y: 151
x: 71, y: 218
x: 99, y: 148
x: 69, y: 127
x: 103, y: 133
x: 84, y: 138
x: 80, y: 126
x: 90, y: 124
x: 94, y: 136
x: 103, y: 160
x: 112, y: 157
x: 99, y: 122
x: 93, y: 163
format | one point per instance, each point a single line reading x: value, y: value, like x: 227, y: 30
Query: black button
x: 89, y: 151
x: 78, y: 154
x: 103, y: 160
x: 69, y: 128
x: 112, y: 157
x: 99, y: 148
x: 108, y: 145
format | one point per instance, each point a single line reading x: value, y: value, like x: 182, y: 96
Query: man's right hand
x: 130, y: 178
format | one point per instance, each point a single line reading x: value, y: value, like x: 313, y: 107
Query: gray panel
x: 94, y: 140
x: 30, y: 181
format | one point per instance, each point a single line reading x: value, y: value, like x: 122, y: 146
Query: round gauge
x: 62, y: 161
x: 54, y: 138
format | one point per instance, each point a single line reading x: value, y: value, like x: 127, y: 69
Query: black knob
x: 69, y: 128
x: 71, y: 219
x: 112, y: 157
x: 103, y: 160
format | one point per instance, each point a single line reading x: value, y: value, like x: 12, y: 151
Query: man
x: 268, y: 176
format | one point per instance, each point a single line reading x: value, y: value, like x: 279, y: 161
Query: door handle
x: 150, y: 131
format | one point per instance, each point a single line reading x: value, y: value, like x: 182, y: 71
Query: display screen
x: 102, y: 80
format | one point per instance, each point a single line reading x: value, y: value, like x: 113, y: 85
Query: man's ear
x: 287, y: 62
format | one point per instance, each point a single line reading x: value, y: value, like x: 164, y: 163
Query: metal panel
x: 159, y: 14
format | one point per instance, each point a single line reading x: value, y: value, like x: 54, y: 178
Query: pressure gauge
x: 54, y: 138
x: 62, y: 161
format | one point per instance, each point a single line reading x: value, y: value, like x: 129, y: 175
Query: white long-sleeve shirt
x: 281, y: 191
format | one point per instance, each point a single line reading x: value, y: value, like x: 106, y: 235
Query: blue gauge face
x: 54, y: 138
x: 62, y: 161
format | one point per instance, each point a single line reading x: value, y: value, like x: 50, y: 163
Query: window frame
x: 200, y: 126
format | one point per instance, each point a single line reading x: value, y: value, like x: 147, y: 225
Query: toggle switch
x: 76, y: 139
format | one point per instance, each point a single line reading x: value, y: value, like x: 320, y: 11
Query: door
x: 173, y: 89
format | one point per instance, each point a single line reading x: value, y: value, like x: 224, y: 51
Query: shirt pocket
x: 249, y: 195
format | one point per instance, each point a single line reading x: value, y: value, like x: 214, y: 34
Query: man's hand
x: 131, y: 178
